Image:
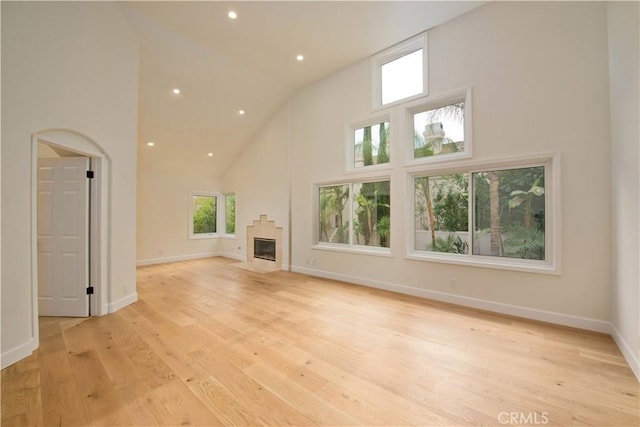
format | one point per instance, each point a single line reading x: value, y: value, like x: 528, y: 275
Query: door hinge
x: 89, y: 174
x: 90, y: 290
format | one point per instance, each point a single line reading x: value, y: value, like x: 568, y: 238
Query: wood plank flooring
x: 211, y: 344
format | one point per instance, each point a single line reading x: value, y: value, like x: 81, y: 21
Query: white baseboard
x: 16, y: 354
x: 122, y: 302
x: 242, y: 258
x: 151, y: 261
x: 496, y: 307
x: 630, y: 357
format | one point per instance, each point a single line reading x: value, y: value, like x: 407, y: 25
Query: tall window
x: 204, y: 216
x: 355, y: 214
x: 483, y: 214
x: 400, y: 72
x: 230, y: 214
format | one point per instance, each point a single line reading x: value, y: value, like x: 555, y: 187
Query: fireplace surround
x: 266, y: 254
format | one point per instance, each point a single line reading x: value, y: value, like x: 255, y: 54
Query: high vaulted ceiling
x: 224, y: 65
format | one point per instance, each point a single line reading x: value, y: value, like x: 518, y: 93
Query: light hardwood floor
x: 212, y: 344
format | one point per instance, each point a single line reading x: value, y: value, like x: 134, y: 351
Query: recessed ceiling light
x: 151, y: 144
x: 210, y: 154
x: 232, y: 14
x: 241, y: 112
x: 176, y: 91
x: 300, y: 58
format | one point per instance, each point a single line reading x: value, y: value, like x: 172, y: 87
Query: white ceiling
x: 223, y: 65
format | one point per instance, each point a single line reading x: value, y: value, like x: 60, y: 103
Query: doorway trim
x: 100, y: 219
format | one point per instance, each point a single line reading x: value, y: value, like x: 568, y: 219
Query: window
x: 498, y: 215
x: 509, y: 213
x: 402, y: 77
x: 399, y: 73
x: 441, y: 128
x: 442, y: 213
x: 204, y: 209
x: 230, y: 214
x: 370, y: 145
x: 355, y: 214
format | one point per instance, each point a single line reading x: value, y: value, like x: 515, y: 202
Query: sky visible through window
x: 402, y: 77
x: 453, y: 128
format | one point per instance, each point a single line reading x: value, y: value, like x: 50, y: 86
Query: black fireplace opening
x: 264, y: 248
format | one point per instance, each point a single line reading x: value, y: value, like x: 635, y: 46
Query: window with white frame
x: 230, y: 214
x: 400, y: 72
x: 441, y: 128
x: 355, y: 214
x: 203, y: 215
x: 500, y: 214
x: 369, y: 144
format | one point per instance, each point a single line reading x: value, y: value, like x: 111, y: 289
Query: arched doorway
x: 74, y: 143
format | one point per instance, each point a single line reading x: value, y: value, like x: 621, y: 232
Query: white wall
x: 260, y: 179
x: 64, y: 66
x: 540, y: 84
x: 624, y: 72
x: 164, y: 198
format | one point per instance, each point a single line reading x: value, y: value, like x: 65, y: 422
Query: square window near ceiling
x: 400, y: 72
x: 402, y: 77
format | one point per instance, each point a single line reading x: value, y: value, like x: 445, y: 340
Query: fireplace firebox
x: 264, y: 248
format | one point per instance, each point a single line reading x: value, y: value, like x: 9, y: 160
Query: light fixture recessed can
x: 241, y: 112
x: 151, y: 144
x: 232, y: 14
x: 176, y: 91
x: 300, y: 57
x: 210, y: 154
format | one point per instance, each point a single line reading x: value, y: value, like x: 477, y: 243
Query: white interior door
x: 63, y: 238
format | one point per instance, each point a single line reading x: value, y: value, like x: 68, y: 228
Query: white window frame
x: 195, y: 236
x: 552, y: 262
x: 430, y: 103
x: 223, y: 220
x: 391, y: 54
x: 350, y: 143
x: 350, y: 247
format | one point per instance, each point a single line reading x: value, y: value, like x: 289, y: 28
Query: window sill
x: 204, y: 236
x: 437, y: 160
x: 513, y: 264
x: 371, y: 169
x: 362, y: 250
x: 228, y: 236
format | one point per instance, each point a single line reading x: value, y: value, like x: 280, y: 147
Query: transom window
x: 371, y: 145
x: 441, y: 128
x: 400, y: 72
x: 402, y: 77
